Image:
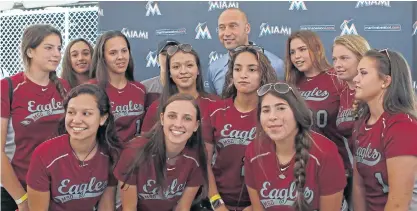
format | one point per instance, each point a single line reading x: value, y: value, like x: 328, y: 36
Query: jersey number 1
x: 385, y: 187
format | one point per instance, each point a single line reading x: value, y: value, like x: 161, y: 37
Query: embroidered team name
x: 278, y: 197
x: 91, y: 189
x: 40, y: 110
x: 236, y: 137
x: 151, y: 190
x: 315, y: 95
x: 344, y: 115
x: 368, y: 156
x: 131, y: 109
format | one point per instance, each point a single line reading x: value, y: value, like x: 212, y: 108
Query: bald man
x: 234, y: 31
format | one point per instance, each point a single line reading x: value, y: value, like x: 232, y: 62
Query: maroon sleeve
x: 125, y: 160
x: 150, y: 117
x: 400, y: 139
x: 332, y: 178
x: 5, y: 100
x: 195, y: 179
x: 66, y: 85
x: 37, y: 177
x: 249, y: 180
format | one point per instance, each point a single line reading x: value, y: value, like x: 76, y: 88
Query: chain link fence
x: 73, y: 22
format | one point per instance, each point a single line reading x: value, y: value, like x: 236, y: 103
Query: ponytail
x: 58, y: 84
x: 302, y: 145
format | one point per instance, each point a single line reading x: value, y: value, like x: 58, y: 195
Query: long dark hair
x: 33, y: 36
x: 68, y: 72
x: 303, y: 139
x: 170, y: 88
x: 155, y: 149
x: 399, y: 96
x: 316, y: 52
x: 106, y: 134
x: 99, y: 68
x: 268, y: 73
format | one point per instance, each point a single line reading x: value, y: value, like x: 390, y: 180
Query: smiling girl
x: 31, y: 105
x: 74, y: 171
x: 77, y: 61
x: 112, y: 68
x: 164, y: 170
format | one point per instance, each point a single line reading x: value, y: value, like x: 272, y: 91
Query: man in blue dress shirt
x: 234, y: 29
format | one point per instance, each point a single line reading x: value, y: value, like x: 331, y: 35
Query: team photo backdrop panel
x: 384, y: 24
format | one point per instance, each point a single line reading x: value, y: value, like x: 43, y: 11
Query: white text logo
x: 415, y: 28
x: 315, y: 95
x: 91, y: 189
x: 368, y: 155
x: 266, y: 29
x: 39, y: 110
x: 202, y: 31
x: 372, y: 3
x: 285, y: 196
x: 213, y: 5
x: 235, y: 137
x: 135, y: 34
x: 297, y: 5
x: 151, y: 190
x: 152, y: 8
x: 130, y: 109
x: 346, y: 29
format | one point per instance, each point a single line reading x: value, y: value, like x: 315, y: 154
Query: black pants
x: 7, y: 202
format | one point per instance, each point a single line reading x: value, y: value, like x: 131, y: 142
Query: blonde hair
x: 355, y: 43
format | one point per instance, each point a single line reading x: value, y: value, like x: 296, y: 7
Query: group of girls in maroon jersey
x: 329, y: 137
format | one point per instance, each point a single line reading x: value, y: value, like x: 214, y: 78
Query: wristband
x: 214, y: 198
x: 22, y: 199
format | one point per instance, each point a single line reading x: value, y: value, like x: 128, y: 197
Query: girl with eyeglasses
x: 31, y: 106
x: 77, y: 61
x: 385, y: 165
x: 183, y: 75
x: 112, y: 68
x: 73, y: 171
x: 308, y: 68
x: 232, y: 125
x: 289, y: 167
x: 164, y: 170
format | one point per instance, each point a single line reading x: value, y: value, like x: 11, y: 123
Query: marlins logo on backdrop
x: 152, y: 59
x: 202, y: 31
x: 346, y: 29
x: 213, y: 56
x: 298, y: 5
x: 213, y: 5
x: 152, y: 8
x: 135, y: 34
x: 415, y: 28
x: 266, y: 29
x: 372, y: 3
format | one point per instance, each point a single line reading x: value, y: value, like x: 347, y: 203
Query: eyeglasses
x: 282, y: 88
x: 248, y: 47
x: 385, y: 51
x: 174, y: 48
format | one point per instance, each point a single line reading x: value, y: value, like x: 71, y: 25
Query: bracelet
x: 22, y: 199
x: 214, y: 198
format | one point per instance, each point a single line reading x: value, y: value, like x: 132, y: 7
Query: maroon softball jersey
x: 322, y: 94
x: 152, y: 116
x: 186, y: 172
x: 127, y: 108
x: 231, y: 131
x: 391, y: 136
x: 55, y: 168
x: 325, y: 174
x: 33, y: 118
